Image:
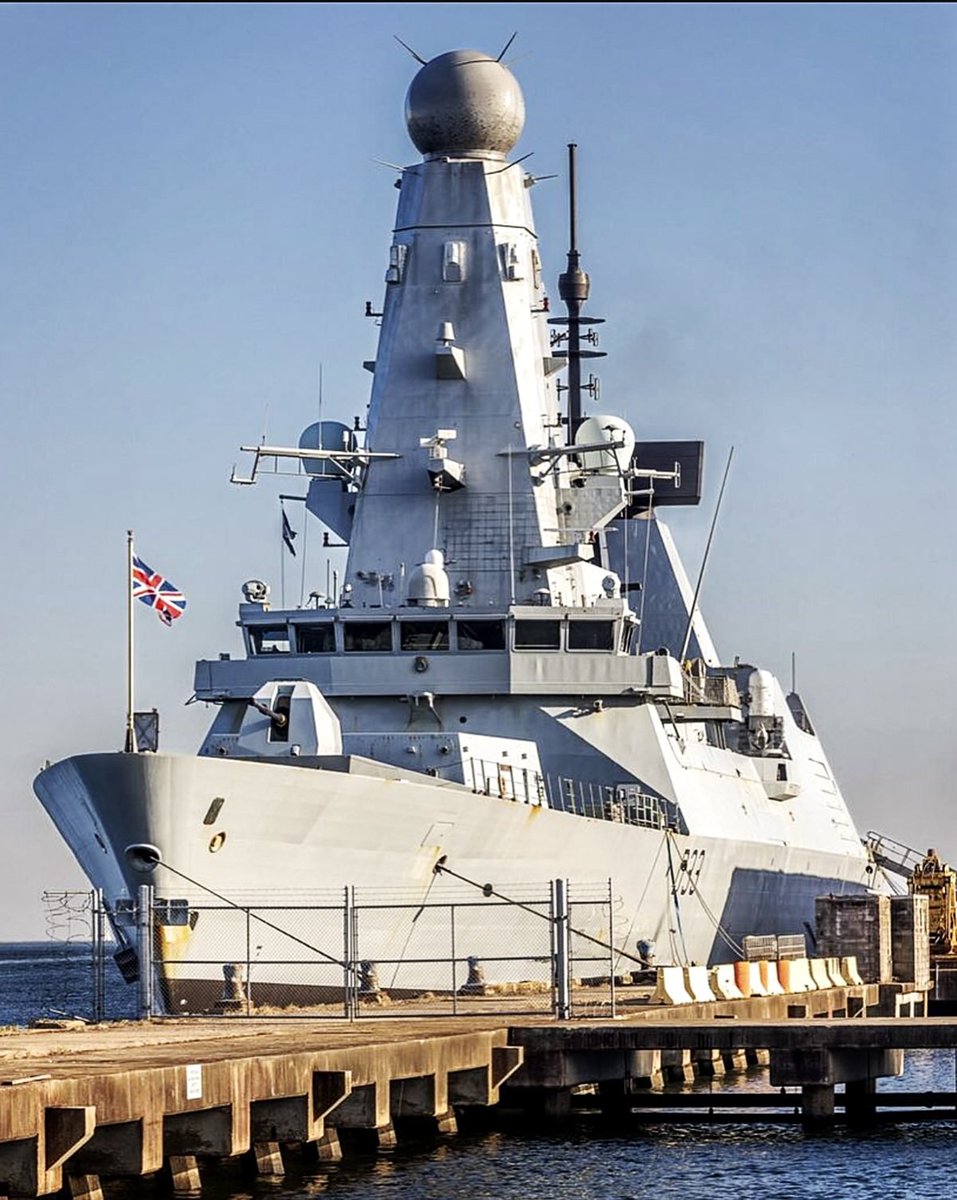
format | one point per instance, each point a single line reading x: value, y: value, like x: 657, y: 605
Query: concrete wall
x: 858, y: 925
x: 910, y: 939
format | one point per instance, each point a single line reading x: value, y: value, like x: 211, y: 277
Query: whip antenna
x: 704, y: 561
x: 418, y: 57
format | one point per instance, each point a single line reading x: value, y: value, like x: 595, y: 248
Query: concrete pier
x: 84, y: 1104
x: 137, y: 1099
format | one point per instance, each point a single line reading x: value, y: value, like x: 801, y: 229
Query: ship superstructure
x: 511, y: 675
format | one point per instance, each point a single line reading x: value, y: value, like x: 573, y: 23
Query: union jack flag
x: 167, y: 601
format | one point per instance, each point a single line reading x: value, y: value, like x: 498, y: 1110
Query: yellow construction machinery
x: 938, y: 882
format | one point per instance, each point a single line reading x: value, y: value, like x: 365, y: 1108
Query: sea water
x: 589, y: 1159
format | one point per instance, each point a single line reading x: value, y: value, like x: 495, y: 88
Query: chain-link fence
x: 357, y: 952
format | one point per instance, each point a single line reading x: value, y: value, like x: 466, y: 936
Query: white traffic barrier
x: 697, y: 985
x: 723, y: 982
x: 670, y: 987
x: 801, y: 980
x: 850, y: 972
x: 835, y: 974
x: 769, y: 977
x: 819, y: 973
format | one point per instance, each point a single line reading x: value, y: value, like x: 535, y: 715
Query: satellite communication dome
x: 616, y: 433
x: 462, y: 102
x: 428, y: 584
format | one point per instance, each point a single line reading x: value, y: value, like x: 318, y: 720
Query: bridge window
x: 316, y: 639
x: 591, y: 635
x: 538, y: 635
x: 369, y: 637
x: 481, y: 635
x: 269, y: 641
x: 424, y: 635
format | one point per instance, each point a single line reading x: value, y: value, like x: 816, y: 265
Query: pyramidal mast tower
x: 464, y: 394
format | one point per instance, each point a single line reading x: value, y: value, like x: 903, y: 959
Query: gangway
x: 893, y: 856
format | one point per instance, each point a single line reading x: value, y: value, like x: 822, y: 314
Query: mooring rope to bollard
x: 488, y: 890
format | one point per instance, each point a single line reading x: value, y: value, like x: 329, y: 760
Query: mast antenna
x: 506, y: 46
x: 418, y: 57
x: 573, y: 288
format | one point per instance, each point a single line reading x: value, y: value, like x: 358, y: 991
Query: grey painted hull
x: 294, y: 836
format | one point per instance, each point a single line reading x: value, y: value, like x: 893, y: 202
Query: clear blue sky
x: 191, y: 221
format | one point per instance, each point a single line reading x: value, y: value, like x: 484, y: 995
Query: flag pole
x: 130, y: 745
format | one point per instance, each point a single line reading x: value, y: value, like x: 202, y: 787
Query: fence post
x: 144, y: 950
x: 348, y: 954
x: 561, y: 964
x: 99, y: 981
x: 455, y: 993
x: 611, y: 946
x: 249, y: 965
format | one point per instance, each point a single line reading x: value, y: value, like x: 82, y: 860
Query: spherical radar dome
x: 464, y: 101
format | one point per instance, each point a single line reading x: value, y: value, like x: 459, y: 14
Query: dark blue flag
x: 288, y: 533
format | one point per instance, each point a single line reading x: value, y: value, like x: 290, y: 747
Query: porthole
x: 216, y: 842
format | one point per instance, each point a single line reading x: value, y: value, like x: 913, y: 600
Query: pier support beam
x: 860, y: 1101
x: 616, y: 1096
x: 816, y: 1071
x: 266, y: 1157
x: 425, y: 1096
x: 817, y: 1105
x: 708, y: 1063
x: 446, y: 1124
x: 205, y: 1131
x: 325, y: 1149
x: 556, y: 1104
x: 125, y: 1148
x: 794, y: 1068
x: 734, y: 1060
x: 183, y: 1172
x: 479, y: 1086
x: 34, y: 1166
x: 84, y: 1187
x: 385, y: 1136
x: 676, y: 1066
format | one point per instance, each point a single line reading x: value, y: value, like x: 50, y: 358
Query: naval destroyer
x: 510, y: 679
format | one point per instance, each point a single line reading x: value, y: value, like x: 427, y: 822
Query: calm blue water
x: 590, y: 1160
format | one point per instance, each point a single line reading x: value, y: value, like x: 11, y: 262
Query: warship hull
x: 289, y: 840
